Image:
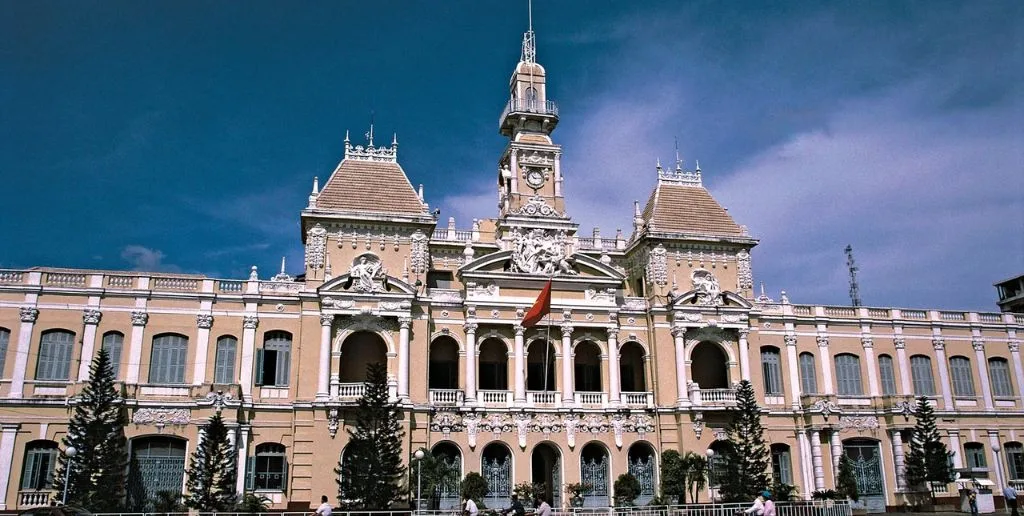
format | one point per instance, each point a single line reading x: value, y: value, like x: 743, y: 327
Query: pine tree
x: 213, y: 470
x: 96, y: 431
x: 846, y: 483
x: 746, y: 458
x: 372, y: 467
x: 928, y: 460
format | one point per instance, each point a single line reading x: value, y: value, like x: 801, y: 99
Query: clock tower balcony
x: 520, y: 112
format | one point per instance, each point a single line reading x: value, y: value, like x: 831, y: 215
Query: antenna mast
x: 854, y: 288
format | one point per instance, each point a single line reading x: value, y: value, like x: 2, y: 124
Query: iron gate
x: 643, y: 469
x: 867, y: 470
x: 595, y: 473
x: 498, y: 473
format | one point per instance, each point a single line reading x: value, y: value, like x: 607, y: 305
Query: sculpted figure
x: 363, y: 273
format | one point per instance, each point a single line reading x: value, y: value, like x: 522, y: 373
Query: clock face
x: 535, y: 178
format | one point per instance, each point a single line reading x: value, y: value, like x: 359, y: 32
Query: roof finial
x: 369, y: 134
x: 679, y: 162
x: 529, y: 44
x: 394, y: 140
x: 282, y: 265
x: 316, y: 185
x: 530, y: 10
x: 697, y: 161
x: 346, y: 135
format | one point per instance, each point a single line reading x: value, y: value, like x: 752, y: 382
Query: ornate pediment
x: 705, y: 298
x: 367, y: 276
x: 499, y: 264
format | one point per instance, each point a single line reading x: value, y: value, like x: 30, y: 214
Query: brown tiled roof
x: 370, y: 186
x: 675, y: 208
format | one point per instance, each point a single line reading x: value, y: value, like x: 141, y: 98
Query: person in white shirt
x: 324, y: 509
x: 543, y: 509
x: 758, y: 508
x: 470, y: 508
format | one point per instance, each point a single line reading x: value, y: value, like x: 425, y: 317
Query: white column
x: 249, y: 324
x: 901, y: 356
x: 898, y: 458
x: 243, y: 454
x: 986, y: 386
x: 471, y: 368
x: 614, y: 389
x: 203, y: 324
x: 954, y: 445
x: 825, y: 359
x: 324, y: 371
x: 682, y: 390
x: 567, y: 362
x: 1018, y: 368
x: 744, y: 353
x: 403, y: 357
x: 819, y: 469
x: 520, y: 362
x: 794, y: 373
x: 10, y: 432
x: 869, y: 357
x: 139, y: 320
x: 836, y: 449
x: 28, y: 321
x: 91, y: 318
x: 806, y: 465
x: 993, y: 441
x: 940, y: 357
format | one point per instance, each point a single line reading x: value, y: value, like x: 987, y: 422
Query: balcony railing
x: 34, y: 498
x: 547, y: 107
x: 445, y: 397
x: 351, y: 391
x: 638, y: 399
x: 599, y: 399
x: 495, y: 398
x: 543, y: 398
x: 713, y: 397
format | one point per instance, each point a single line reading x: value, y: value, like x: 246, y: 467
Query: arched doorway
x: 359, y: 350
x: 587, y: 367
x: 546, y: 471
x: 866, y: 459
x: 493, y: 375
x: 444, y: 364
x: 642, y: 466
x: 449, y: 460
x: 594, y: 467
x: 540, y: 373
x: 632, y: 364
x: 157, y: 465
x: 716, y: 465
x: 496, y: 468
x: 709, y: 366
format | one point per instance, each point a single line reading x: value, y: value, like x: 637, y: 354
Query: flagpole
x: 547, y: 348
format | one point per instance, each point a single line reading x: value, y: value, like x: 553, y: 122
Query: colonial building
x: 649, y: 334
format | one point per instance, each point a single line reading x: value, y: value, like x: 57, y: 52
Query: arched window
x: 224, y: 361
x: 808, y: 376
x: 113, y: 342
x: 717, y: 461
x: 270, y: 468
x: 40, y: 460
x: 999, y: 373
x: 5, y: 339
x: 493, y: 365
x: 974, y: 455
x: 963, y: 380
x: 55, y: 355
x: 1015, y: 460
x: 157, y: 464
x: 631, y: 368
x: 771, y: 367
x: 443, y: 372
x: 587, y: 367
x: 848, y: 375
x: 888, y: 376
x: 921, y: 372
x: 537, y: 364
x: 782, y: 466
x: 273, y: 362
x: 167, y: 360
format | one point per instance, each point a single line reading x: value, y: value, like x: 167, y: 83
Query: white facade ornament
x: 536, y: 206
x: 139, y: 318
x: 978, y: 344
x: 720, y: 434
x: 90, y: 316
x: 743, y: 275
x: 709, y: 293
x: 867, y: 342
x: 420, y: 254
x: 618, y: 424
x: 250, y: 322
x: 496, y: 424
x: 522, y: 422
x: 657, y: 266
x: 641, y: 424
x: 367, y: 274
x: 905, y: 408
x: 570, y: 422
x: 472, y: 424
x: 858, y: 423
x: 330, y: 302
x: 28, y: 314
x: 1014, y: 346
x: 826, y: 408
x: 594, y: 423
x: 156, y: 416
x: 326, y: 319
x: 899, y: 342
x: 333, y: 421
x: 538, y: 252
x: 204, y: 321
x: 698, y: 424
x: 372, y: 153
x: 446, y: 423
x: 634, y: 304
x: 822, y: 341
x: 939, y: 344
x: 391, y: 306
x: 790, y: 340
x: 219, y: 400
x: 546, y: 424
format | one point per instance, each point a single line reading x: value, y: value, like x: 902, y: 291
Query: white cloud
x: 141, y: 258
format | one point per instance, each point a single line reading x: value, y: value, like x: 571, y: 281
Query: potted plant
x: 627, y: 489
x: 576, y: 492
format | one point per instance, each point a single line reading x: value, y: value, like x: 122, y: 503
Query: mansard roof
x: 681, y: 204
x: 370, y: 186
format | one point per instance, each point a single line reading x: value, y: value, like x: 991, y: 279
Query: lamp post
x: 710, y: 455
x: 419, y: 478
x: 70, y: 453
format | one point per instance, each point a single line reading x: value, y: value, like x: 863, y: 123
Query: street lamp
x: 70, y: 453
x: 710, y: 455
x: 419, y: 478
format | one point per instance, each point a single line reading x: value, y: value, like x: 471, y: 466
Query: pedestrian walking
x: 324, y: 509
x: 1010, y: 496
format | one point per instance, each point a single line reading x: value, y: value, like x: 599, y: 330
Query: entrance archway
x: 546, y: 471
x: 594, y: 467
x: 157, y: 464
x: 709, y: 366
x: 642, y: 466
x: 866, y: 459
x: 496, y: 468
x: 447, y: 491
x: 359, y: 350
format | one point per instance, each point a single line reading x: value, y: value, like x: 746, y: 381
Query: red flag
x: 540, y: 307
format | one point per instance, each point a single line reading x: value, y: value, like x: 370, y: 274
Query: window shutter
x: 250, y: 473
x: 43, y: 363
x: 283, y: 368
x: 259, y: 367
x: 284, y: 474
x: 28, y: 472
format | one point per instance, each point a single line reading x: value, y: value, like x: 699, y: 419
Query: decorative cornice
x: 204, y: 321
x: 867, y: 342
x: 978, y: 344
x: 28, y: 314
x: 326, y: 319
x: 91, y: 316
x: 250, y: 322
x: 899, y: 342
x: 140, y: 318
x: 790, y: 340
x: 939, y: 344
x: 822, y: 341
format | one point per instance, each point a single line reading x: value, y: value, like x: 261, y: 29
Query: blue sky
x: 183, y: 136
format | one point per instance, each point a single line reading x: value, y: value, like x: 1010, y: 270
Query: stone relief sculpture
x: 367, y: 274
x: 537, y: 252
x: 316, y: 246
x: 709, y: 293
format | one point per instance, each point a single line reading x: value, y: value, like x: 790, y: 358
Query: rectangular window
x: 921, y: 373
x: 888, y: 376
x: 963, y: 380
x: 1015, y: 460
x: 270, y: 472
x: 493, y: 376
x: 999, y: 373
x: 54, y: 355
x: 113, y: 343
x: 808, y: 376
x: 38, y: 471
x: 974, y: 453
x: 273, y: 362
x: 167, y: 359
x: 771, y: 368
x: 224, y: 363
x: 848, y: 375
x: 781, y: 471
x: 440, y: 279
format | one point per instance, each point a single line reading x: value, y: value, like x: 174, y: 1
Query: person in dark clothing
x: 516, y: 509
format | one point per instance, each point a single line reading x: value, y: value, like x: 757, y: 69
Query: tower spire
x: 529, y: 43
